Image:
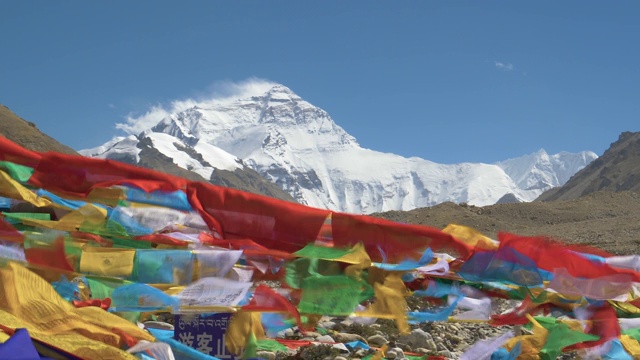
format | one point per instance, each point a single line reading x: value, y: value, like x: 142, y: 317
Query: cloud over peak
x: 219, y: 93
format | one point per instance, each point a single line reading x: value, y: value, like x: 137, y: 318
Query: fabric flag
x: 440, y: 314
x: 436, y: 288
x: 107, y: 261
x: 631, y: 345
x: 271, y: 345
x: 560, y: 336
x: 244, y: 328
x: 157, y: 350
x: 214, y: 292
x: 336, y: 295
x: 504, y: 264
x: 8, y: 232
x: 19, y: 347
x: 531, y: 344
x: 390, y: 301
x: 503, y: 354
x: 601, y: 288
x: 355, y: 255
x: 478, y: 309
x: 12, y: 251
x: 616, y: 351
x: 59, y: 201
x: 267, y: 299
x: 273, y: 323
x: 440, y: 268
x: 11, y: 188
x: 141, y: 297
x: 17, y: 172
x: 163, y: 267
x: 29, y: 302
x: 170, y: 199
x: 215, y: 263
x: 631, y: 262
x: 132, y: 226
x: 47, y: 250
x: 66, y: 289
x: 408, y: 264
x: 325, y: 235
x: 300, y: 269
x: 549, y: 255
x: 471, y: 236
x: 483, y: 349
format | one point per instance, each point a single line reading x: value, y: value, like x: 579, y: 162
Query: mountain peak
x: 278, y: 93
x: 299, y: 147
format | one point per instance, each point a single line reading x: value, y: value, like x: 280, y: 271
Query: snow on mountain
x: 301, y: 149
x: 537, y: 172
x: 201, y: 158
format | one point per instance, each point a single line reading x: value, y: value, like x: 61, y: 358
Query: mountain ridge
x: 618, y: 169
x: 299, y: 147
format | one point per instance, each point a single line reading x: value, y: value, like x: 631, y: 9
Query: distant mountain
x: 618, y: 169
x: 202, y: 162
x: 27, y: 135
x: 298, y: 147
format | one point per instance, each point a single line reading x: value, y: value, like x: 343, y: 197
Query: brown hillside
x: 618, y: 169
x: 26, y: 134
x: 607, y: 220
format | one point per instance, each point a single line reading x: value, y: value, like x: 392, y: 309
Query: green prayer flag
x: 270, y: 345
x: 330, y: 295
x: 18, y: 172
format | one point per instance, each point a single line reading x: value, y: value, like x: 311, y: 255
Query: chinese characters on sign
x: 204, y: 333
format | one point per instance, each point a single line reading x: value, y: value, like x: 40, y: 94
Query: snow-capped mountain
x: 301, y: 149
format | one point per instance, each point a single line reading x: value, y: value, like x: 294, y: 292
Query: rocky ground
x: 607, y: 220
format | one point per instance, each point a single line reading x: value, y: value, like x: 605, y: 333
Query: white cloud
x: 504, y: 66
x: 111, y: 106
x: 219, y: 93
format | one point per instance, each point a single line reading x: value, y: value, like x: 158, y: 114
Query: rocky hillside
x: 618, y: 169
x: 26, y: 134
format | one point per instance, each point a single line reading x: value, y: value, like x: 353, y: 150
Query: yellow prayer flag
x: 28, y: 301
x: 531, y: 344
x: 390, y: 302
x: 12, y: 189
x: 107, y: 261
x: 357, y: 255
x: 88, y: 214
x: 471, y: 236
x: 240, y: 328
x: 631, y: 345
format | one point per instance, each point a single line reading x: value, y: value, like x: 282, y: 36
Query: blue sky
x: 448, y: 81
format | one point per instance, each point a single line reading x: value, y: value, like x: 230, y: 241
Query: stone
x: 399, y: 352
x: 446, y: 353
x: 346, y: 337
x: 325, y: 339
x: 339, y: 358
x: 269, y: 355
x: 391, y: 354
x: 327, y: 324
x: 431, y: 345
x: 377, y: 340
x: 417, y: 338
